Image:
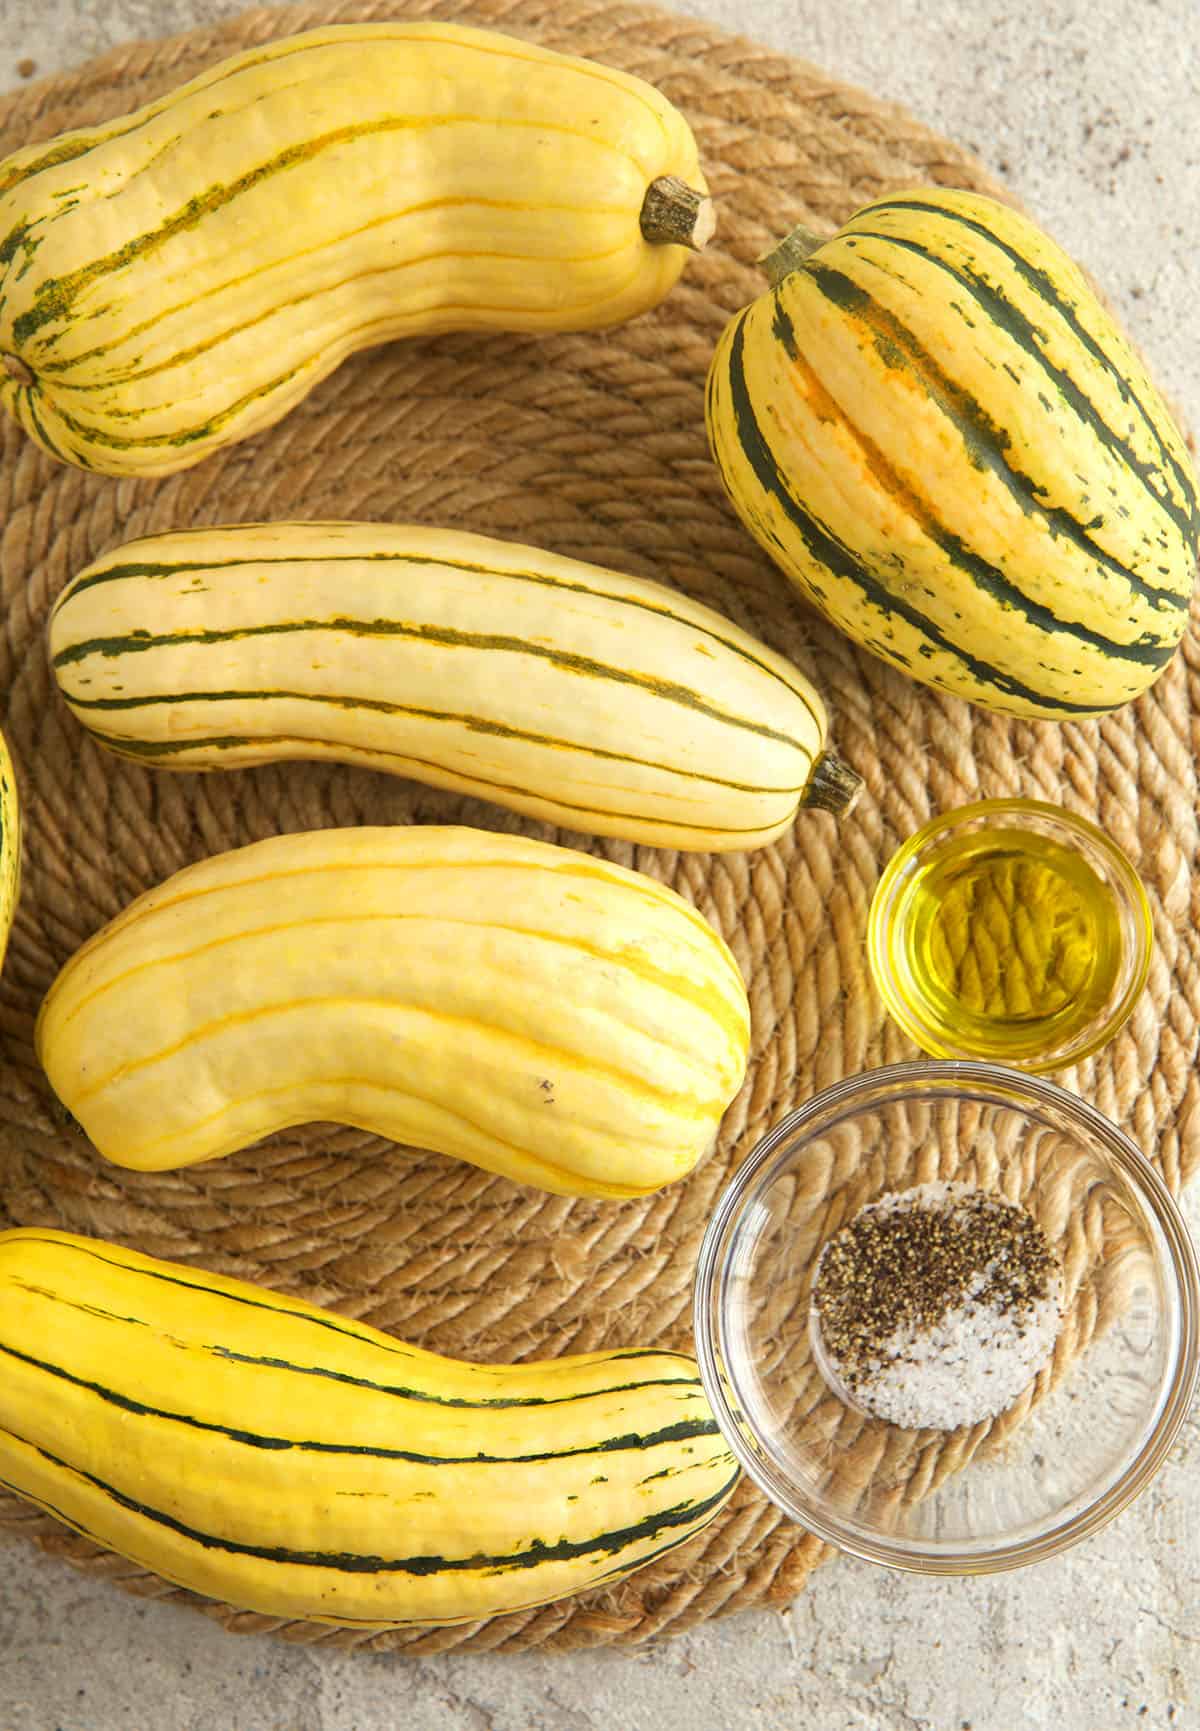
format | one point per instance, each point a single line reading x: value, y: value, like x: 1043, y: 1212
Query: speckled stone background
x: 1091, y: 110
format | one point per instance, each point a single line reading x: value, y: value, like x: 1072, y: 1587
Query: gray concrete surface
x: 1090, y: 110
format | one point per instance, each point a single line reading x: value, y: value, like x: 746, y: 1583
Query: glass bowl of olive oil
x: 1010, y: 930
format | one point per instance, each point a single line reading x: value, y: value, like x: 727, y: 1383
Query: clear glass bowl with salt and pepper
x: 948, y: 1317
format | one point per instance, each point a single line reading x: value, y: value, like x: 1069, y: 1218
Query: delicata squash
x: 579, y: 696
x: 178, y: 278
x: 933, y: 426
x: 540, y: 1012
x: 292, y: 1462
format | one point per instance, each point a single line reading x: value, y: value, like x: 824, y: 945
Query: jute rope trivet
x: 594, y: 446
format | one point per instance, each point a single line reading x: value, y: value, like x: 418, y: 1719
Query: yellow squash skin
x: 10, y: 846
x: 577, y: 695
x: 179, y: 278
x: 539, y: 1012
x: 935, y: 429
x: 289, y: 1461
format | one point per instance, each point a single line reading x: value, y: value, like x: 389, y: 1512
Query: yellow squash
x: 577, y: 695
x: 940, y: 435
x: 542, y: 1013
x: 178, y: 278
x: 292, y: 1462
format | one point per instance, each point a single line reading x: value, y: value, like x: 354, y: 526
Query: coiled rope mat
x: 592, y: 445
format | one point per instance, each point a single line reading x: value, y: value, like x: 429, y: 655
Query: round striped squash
x: 937, y: 431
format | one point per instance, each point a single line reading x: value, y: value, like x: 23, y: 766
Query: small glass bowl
x: 1063, y: 1459
x: 1034, y: 1045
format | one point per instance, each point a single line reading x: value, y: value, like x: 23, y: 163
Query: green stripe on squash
x: 1044, y: 284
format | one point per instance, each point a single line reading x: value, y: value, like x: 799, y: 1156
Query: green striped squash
x: 295, y: 1463
x: 936, y: 430
x: 176, y: 279
x: 576, y: 695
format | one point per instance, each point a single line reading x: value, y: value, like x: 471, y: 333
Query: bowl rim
x: 998, y: 1084
x: 1132, y: 891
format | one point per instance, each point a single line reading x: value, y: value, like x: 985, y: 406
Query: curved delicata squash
x: 178, y: 278
x: 292, y: 1462
x: 542, y: 1013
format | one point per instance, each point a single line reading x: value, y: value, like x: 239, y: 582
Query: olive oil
x: 1002, y: 939
x: 1013, y: 941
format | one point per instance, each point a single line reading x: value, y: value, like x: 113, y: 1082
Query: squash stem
x: 832, y: 786
x: 675, y: 214
x: 15, y: 367
x: 790, y: 253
